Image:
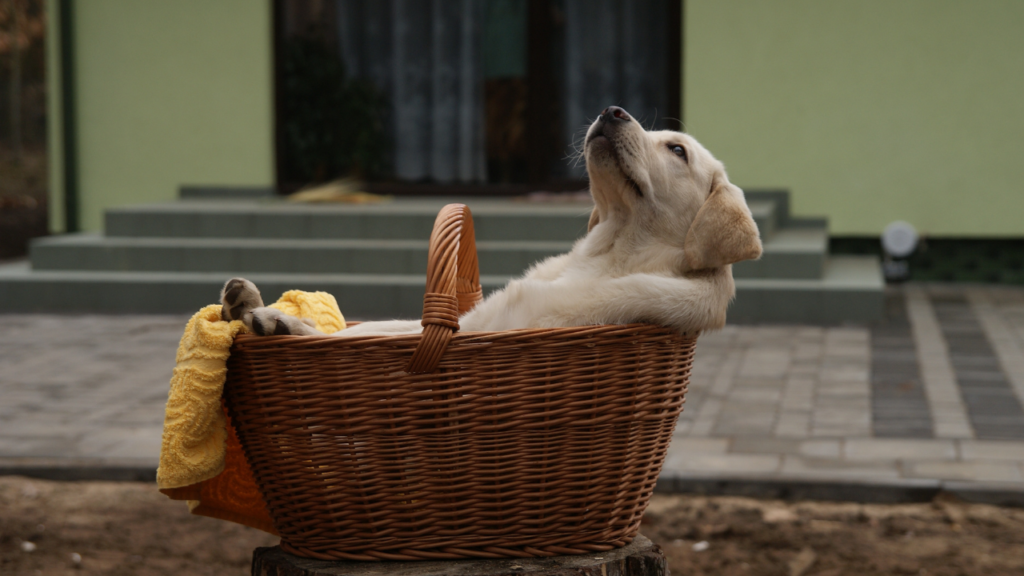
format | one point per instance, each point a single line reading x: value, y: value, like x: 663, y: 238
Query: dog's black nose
x: 614, y: 114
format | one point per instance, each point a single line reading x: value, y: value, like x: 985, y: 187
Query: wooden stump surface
x: 641, y: 558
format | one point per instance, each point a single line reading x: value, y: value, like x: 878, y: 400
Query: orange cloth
x: 231, y: 495
x: 201, y: 459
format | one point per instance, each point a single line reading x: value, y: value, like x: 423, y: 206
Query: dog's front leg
x: 383, y: 328
x: 687, y: 305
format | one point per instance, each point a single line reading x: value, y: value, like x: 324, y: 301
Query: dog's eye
x: 678, y: 151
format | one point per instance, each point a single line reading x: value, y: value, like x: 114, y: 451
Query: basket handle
x: 453, y: 285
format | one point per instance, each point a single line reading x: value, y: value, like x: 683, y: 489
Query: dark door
x: 466, y: 96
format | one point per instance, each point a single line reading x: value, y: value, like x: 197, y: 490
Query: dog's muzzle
x: 610, y: 118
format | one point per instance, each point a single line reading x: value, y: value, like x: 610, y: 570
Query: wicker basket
x: 488, y: 444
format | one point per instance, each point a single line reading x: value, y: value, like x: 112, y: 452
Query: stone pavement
x: 931, y: 398
x: 86, y: 389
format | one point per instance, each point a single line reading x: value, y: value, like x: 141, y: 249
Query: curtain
x: 425, y: 56
x: 615, y: 54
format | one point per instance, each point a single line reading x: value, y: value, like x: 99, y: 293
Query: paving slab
x: 772, y: 409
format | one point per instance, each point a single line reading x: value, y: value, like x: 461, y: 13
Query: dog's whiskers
x: 682, y: 125
x: 578, y: 144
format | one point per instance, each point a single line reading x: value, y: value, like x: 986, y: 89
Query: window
x: 483, y: 94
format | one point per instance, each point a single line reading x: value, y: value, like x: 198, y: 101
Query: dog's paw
x: 238, y: 297
x: 273, y: 322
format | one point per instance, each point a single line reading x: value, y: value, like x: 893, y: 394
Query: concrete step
x: 262, y: 255
x: 766, y: 216
x: 406, y: 219
x: 188, y: 192
x: 409, y: 219
x: 850, y: 292
x: 781, y: 216
x: 795, y: 253
x: 361, y: 296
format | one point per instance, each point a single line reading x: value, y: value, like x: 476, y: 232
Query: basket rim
x: 247, y: 340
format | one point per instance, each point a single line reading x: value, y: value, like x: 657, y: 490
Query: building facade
x: 868, y: 111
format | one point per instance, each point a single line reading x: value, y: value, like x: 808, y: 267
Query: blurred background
x: 865, y: 112
x: 23, y: 177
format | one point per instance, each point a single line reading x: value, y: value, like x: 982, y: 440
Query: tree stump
x: 641, y: 558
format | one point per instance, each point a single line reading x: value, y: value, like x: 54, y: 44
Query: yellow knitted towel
x: 200, y: 458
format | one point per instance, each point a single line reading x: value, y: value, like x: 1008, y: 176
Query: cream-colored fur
x: 666, y: 226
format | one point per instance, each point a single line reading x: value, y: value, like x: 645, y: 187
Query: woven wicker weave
x: 442, y: 445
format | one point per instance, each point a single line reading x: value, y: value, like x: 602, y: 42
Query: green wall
x: 169, y: 93
x: 868, y: 111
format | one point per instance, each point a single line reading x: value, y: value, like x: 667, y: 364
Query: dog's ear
x: 594, y: 219
x: 723, y: 231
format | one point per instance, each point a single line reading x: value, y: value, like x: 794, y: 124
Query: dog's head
x: 665, y: 187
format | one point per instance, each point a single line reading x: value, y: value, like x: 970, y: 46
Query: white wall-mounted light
x: 899, y: 239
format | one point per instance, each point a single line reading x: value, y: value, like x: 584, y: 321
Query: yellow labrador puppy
x: 666, y: 226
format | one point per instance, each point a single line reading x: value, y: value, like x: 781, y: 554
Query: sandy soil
x: 745, y: 536
x: 117, y: 529
x: 126, y: 528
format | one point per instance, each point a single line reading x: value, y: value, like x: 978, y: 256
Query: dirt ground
x: 127, y: 528
x: 116, y: 529
x: 728, y: 536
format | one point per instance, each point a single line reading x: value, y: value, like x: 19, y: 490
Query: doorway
x: 487, y: 97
